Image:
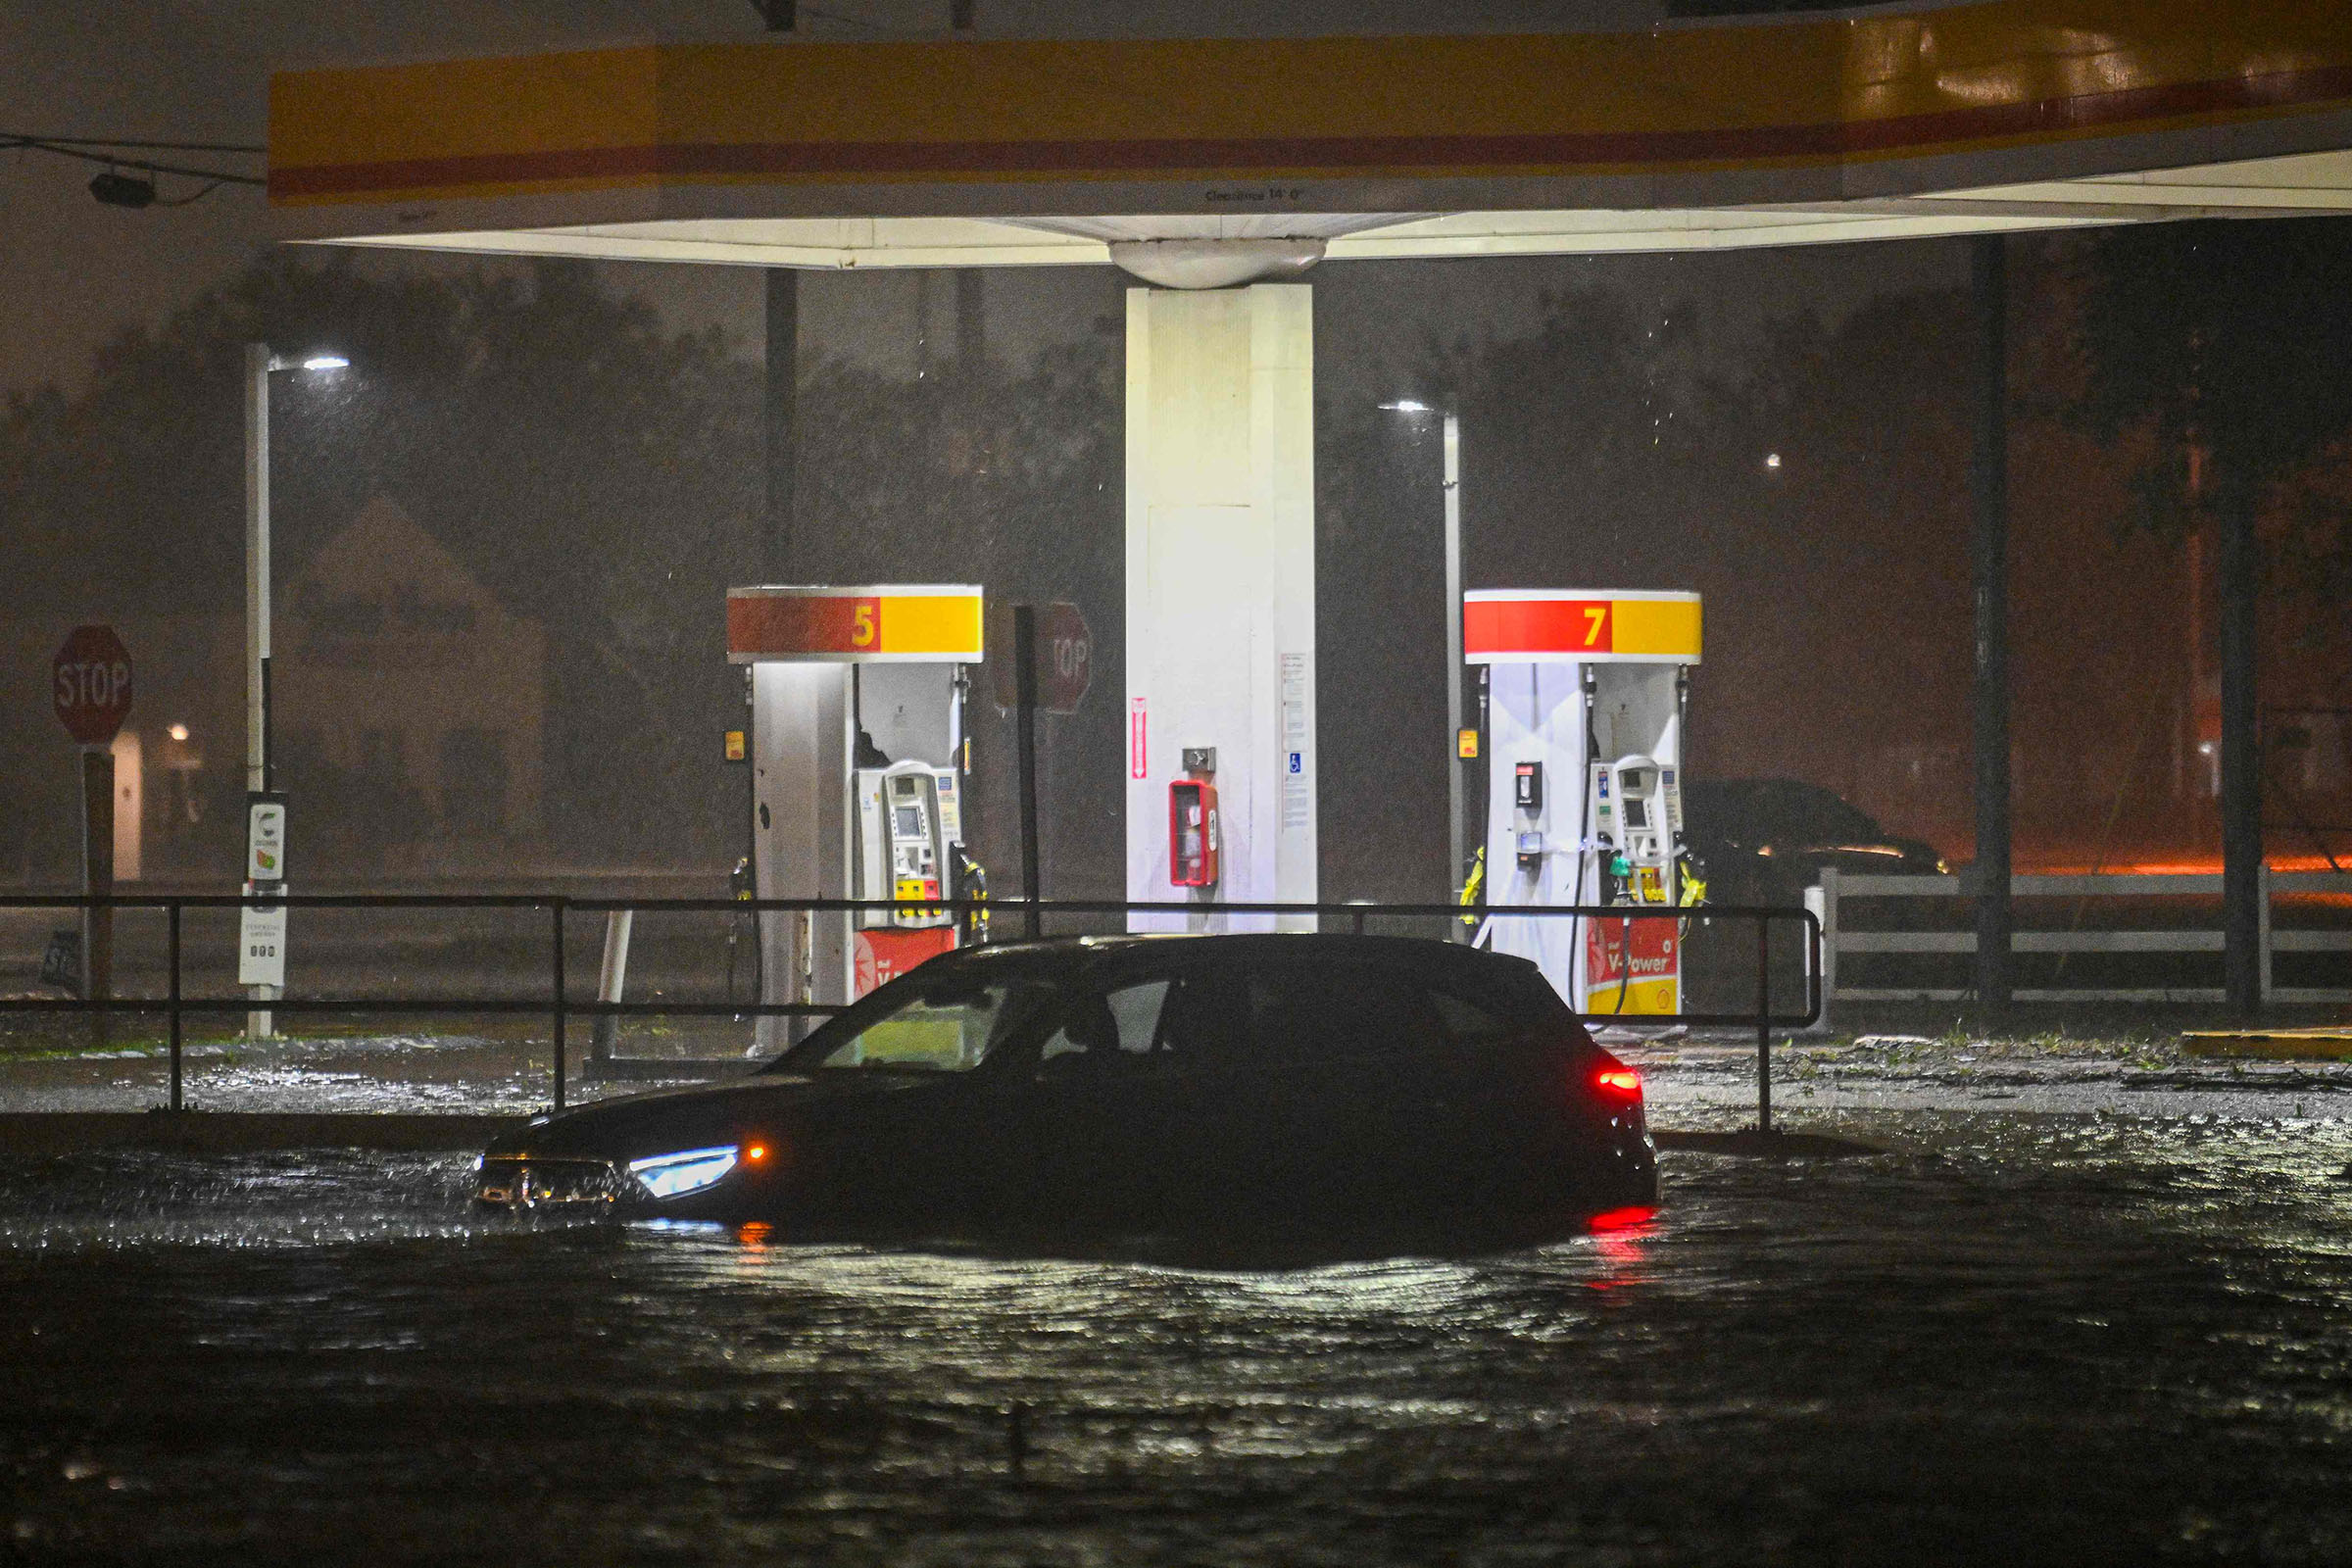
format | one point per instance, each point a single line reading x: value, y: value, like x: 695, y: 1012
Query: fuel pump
x: 1636, y: 808
x: 909, y: 826
x: 861, y: 768
x: 1637, y: 814
x: 1585, y: 699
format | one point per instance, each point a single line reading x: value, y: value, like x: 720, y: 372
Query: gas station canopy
x: 1218, y: 160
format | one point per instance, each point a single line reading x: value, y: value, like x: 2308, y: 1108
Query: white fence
x: 1839, y: 937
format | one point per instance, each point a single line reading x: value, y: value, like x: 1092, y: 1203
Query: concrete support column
x: 1989, y: 485
x: 1221, y: 586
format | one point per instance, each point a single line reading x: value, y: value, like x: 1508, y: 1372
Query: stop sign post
x: 1045, y: 659
x: 90, y: 687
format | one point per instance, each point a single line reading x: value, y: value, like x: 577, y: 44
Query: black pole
x: 781, y: 414
x: 1024, y: 675
x: 1989, y: 486
x: 2241, y: 762
x: 556, y: 923
x: 171, y: 917
x: 97, y: 884
x: 1763, y: 1025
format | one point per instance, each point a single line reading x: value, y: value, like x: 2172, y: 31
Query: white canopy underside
x: 2308, y: 183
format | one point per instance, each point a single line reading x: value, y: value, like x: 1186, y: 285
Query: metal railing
x: 559, y: 1006
x: 1842, y: 936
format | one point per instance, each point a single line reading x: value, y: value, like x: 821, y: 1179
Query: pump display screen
x: 1637, y: 812
x: 911, y: 822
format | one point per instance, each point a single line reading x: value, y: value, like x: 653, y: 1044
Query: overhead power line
x: 115, y: 154
x: 119, y: 141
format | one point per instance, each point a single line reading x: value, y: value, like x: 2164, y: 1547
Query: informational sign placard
x: 261, y: 942
x: 265, y: 838
x: 262, y: 928
x: 1297, y: 790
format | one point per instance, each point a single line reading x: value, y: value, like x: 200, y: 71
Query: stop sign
x: 90, y: 684
x: 1065, y: 657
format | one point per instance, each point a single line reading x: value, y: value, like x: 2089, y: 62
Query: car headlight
x: 689, y: 1170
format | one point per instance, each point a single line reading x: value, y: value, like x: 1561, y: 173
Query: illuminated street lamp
x: 1453, y: 638
x: 259, y: 362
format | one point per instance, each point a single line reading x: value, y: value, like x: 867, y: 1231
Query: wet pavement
x: 2103, y: 1321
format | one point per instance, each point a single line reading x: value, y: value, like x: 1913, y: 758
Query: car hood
x: 666, y: 1120
x: 1895, y: 852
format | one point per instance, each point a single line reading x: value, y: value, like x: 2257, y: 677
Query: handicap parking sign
x: 1295, y: 767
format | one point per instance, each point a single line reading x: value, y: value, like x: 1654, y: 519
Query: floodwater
x: 2016, y: 1338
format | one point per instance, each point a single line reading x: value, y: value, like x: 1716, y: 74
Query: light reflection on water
x: 2045, y: 1339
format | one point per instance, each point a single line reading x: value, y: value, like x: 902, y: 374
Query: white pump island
x: 859, y: 774
x: 1585, y: 690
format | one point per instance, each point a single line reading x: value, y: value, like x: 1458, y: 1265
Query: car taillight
x: 1614, y: 1078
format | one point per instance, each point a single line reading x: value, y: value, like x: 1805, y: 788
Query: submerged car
x: 1133, y: 1085
x: 1766, y: 840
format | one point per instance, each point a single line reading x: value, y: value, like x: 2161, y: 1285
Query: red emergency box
x: 1193, y: 833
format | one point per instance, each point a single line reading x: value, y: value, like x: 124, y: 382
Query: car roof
x: 1089, y: 952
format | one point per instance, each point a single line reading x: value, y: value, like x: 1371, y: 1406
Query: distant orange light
x: 1619, y: 1080
x: 756, y: 1152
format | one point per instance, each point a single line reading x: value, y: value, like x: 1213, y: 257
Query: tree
x: 599, y: 475
x: 2216, y: 348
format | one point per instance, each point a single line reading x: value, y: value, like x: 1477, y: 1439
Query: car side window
x: 1469, y: 1023
x: 1206, y: 1022
x: 1110, y: 1027
x: 1313, y: 1012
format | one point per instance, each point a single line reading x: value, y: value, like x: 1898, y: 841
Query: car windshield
x: 943, y: 1028
x: 1830, y: 817
x: 1767, y: 810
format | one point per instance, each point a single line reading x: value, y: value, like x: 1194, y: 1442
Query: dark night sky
x: 76, y: 273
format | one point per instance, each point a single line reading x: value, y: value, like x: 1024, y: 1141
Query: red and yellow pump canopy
x: 1878, y: 122
x: 871, y: 624
x: 1579, y: 626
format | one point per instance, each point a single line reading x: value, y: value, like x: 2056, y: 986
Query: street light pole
x: 1453, y: 657
x: 267, y: 825
x: 258, y: 365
